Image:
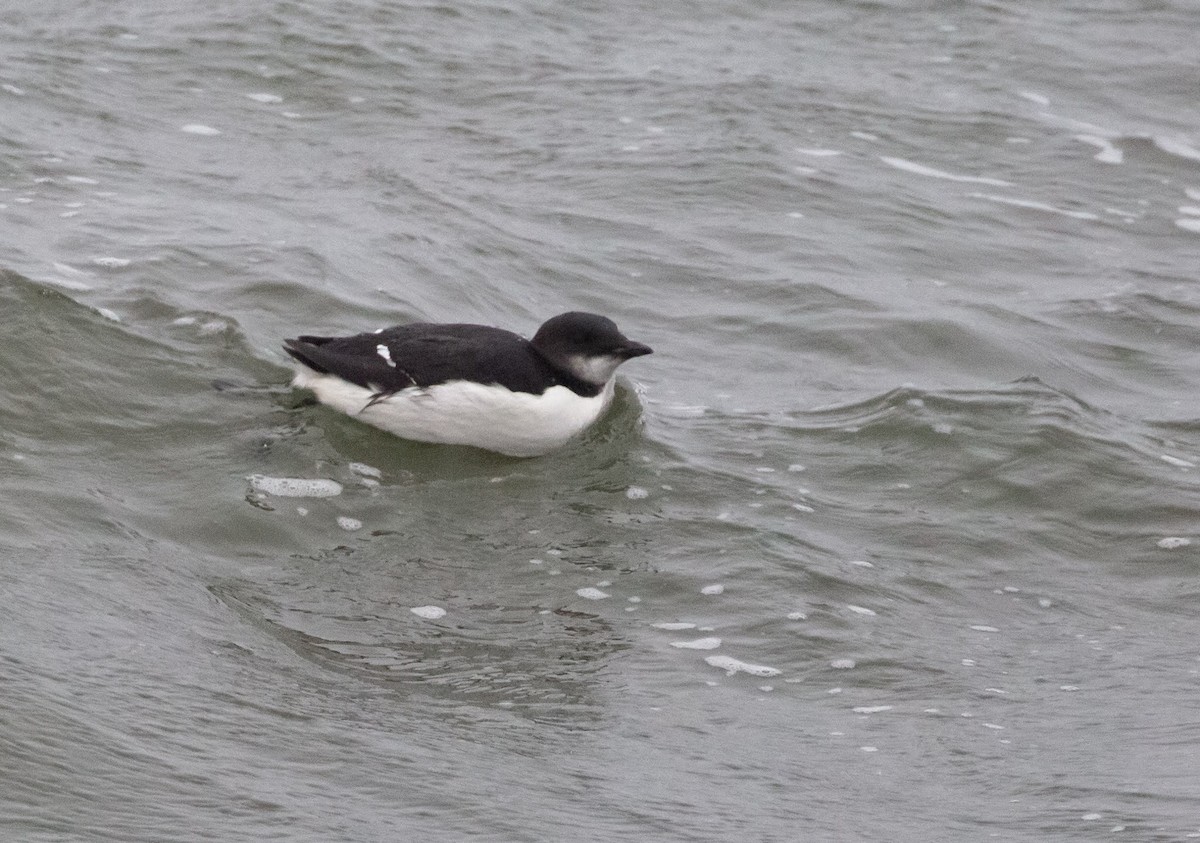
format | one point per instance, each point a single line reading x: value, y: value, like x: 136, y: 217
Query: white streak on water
x: 673, y: 625
x: 715, y: 588
x: 1177, y: 147
x: 430, y: 613
x: 349, y: 524
x: 200, y: 129
x: 590, y: 593
x: 1035, y: 206
x: 922, y: 170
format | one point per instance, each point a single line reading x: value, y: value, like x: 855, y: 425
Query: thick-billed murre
x: 471, y: 384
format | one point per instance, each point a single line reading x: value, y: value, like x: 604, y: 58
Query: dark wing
x: 424, y: 354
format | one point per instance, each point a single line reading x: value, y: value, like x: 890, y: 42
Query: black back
x: 426, y: 354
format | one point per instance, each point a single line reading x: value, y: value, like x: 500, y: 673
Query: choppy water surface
x: 894, y: 538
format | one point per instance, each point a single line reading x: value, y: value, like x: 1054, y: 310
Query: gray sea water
x: 894, y: 538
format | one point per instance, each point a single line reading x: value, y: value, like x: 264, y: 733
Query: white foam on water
x: 867, y: 136
x: 1177, y: 147
x: 1108, y: 153
x: 1190, y: 210
x: 295, y: 487
x: 430, y: 613
x: 1172, y: 542
x: 636, y: 493
x: 1189, y: 223
x: 672, y: 626
x: 1034, y: 97
x: 82, y: 180
x: 1035, y: 206
x: 349, y: 524
x: 715, y: 588
x: 200, y: 129
x: 869, y: 748
x: 982, y: 628
x: 108, y: 314
x: 1176, y: 461
x: 993, y: 726
x: 796, y: 616
x: 590, y: 593
x: 795, y: 467
x: 819, y: 153
x: 862, y: 563
x: 265, y: 98
x: 843, y: 664
x: 861, y: 610
x: 698, y: 644
x: 871, y: 709
x: 731, y: 666
x: 364, y: 470
x: 184, y: 320
x: 110, y: 262
x: 922, y: 170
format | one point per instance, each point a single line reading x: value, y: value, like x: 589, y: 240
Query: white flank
x: 519, y: 424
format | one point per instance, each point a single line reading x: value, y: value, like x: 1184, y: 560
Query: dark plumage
x: 424, y: 354
x: 470, y: 384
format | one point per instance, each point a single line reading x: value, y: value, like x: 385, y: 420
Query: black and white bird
x: 471, y: 384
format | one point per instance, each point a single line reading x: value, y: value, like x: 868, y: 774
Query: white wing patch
x: 383, y: 351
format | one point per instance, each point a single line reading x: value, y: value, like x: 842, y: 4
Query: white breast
x: 466, y: 413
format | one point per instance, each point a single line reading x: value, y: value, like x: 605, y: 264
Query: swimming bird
x: 471, y: 384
